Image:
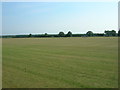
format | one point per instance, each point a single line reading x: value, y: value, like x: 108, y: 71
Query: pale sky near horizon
x: 53, y: 17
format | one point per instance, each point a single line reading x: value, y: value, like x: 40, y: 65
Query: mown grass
x: 60, y: 62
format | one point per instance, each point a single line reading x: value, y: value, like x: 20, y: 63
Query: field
x: 90, y: 62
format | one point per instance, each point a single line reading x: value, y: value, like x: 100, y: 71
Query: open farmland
x: 90, y: 62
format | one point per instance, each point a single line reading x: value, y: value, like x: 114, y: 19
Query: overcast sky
x: 53, y: 17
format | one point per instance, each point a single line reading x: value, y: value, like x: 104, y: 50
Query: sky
x: 53, y: 17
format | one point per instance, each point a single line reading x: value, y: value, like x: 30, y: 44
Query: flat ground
x: 60, y: 62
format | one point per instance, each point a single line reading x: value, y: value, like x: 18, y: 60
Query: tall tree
x: 89, y: 33
x: 61, y: 34
x: 46, y: 34
x: 110, y: 33
x: 119, y: 33
x: 30, y: 35
x: 69, y: 34
x: 113, y: 32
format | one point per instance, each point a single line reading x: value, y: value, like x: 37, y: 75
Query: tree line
x: 107, y: 33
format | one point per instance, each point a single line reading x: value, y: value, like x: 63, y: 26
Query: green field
x: 90, y: 62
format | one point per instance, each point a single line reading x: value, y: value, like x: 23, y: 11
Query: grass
x: 60, y: 62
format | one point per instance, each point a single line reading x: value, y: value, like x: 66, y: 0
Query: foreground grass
x: 60, y: 62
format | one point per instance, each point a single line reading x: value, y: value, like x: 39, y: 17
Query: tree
x: 89, y: 33
x: 61, y: 34
x: 113, y: 32
x: 30, y: 35
x: 46, y: 34
x: 69, y: 34
x: 119, y: 33
x: 107, y: 33
x: 110, y: 33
